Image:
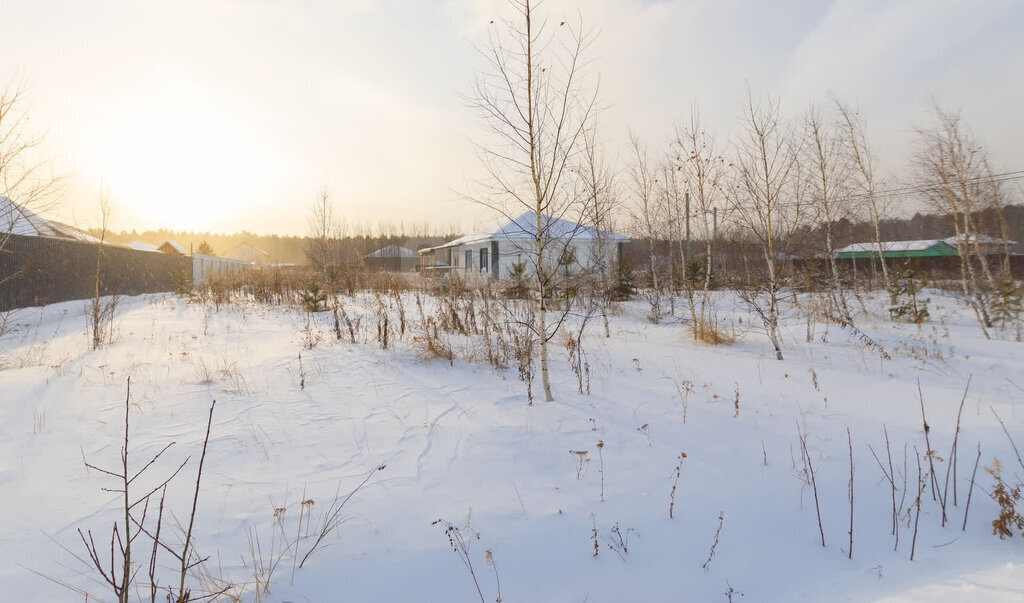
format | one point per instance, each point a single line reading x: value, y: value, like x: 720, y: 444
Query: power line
x: 908, y: 190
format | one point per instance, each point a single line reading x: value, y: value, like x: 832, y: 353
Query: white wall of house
x: 513, y: 251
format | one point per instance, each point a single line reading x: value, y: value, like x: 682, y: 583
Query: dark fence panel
x: 42, y: 270
x: 392, y: 264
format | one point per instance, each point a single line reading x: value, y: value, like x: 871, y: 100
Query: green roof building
x: 897, y: 249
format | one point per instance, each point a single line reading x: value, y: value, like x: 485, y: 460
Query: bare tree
x: 27, y: 183
x: 322, y: 239
x: 864, y: 176
x: 101, y: 311
x: 675, y: 204
x: 953, y: 172
x: 536, y: 101
x: 766, y: 203
x: 25, y: 179
x: 647, y: 218
x: 828, y: 186
x: 701, y: 166
x: 598, y: 180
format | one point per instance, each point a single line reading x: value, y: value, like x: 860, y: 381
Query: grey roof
x: 524, y: 227
x: 979, y: 239
x: 173, y: 246
x: 922, y: 244
x: 393, y: 251
x: 890, y: 246
x: 143, y: 246
x: 20, y: 220
x: 250, y: 246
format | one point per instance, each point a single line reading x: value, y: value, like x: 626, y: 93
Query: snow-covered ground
x: 460, y: 443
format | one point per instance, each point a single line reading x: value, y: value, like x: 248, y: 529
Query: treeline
x: 283, y: 249
x: 919, y: 226
x: 293, y: 249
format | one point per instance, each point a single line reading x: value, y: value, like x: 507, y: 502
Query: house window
x: 469, y: 259
x: 483, y: 260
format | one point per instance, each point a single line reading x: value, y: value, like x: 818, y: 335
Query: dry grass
x: 712, y: 333
x: 432, y: 346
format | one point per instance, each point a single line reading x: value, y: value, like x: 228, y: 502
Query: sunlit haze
x: 230, y: 116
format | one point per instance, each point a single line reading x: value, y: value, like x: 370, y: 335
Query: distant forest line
x: 292, y: 249
x: 282, y: 249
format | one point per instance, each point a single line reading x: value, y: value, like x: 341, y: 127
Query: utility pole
x: 686, y: 250
x: 714, y: 230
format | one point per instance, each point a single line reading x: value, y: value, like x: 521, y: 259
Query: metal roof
x: 20, y: 220
x: 143, y: 246
x: 392, y: 251
x: 889, y: 246
x: 524, y: 227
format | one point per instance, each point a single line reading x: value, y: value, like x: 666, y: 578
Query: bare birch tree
x: 25, y: 179
x: 828, y: 187
x: 864, y: 161
x: 953, y: 172
x: 99, y: 311
x: 647, y: 217
x: 598, y: 180
x: 536, y: 100
x: 766, y: 204
x: 701, y: 167
x: 27, y: 182
x: 675, y: 204
x: 321, y: 244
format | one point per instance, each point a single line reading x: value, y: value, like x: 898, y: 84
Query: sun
x: 178, y: 168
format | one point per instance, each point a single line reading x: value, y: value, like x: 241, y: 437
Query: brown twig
x: 814, y: 486
x: 675, y: 482
x: 967, y: 507
x: 461, y: 547
x: 182, y: 596
x: 332, y: 517
x: 849, y: 439
x: 952, y: 455
x: 928, y: 446
x: 892, y: 480
x: 714, y: 545
x: 892, y: 483
x: 156, y: 544
x: 1012, y: 443
x: 920, y: 489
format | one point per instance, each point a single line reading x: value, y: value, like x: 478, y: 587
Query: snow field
x: 459, y: 442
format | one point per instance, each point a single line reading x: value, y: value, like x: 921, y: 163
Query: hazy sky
x: 226, y: 116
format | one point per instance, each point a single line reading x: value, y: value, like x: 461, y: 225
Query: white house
x: 494, y: 252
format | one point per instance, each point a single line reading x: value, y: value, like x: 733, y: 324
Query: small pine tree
x: 1008, y: 302
x: 205, y: 248
x: 518, y: 285
x: 904, y: 290
x: 622, y: 287
x: 314, y: 298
